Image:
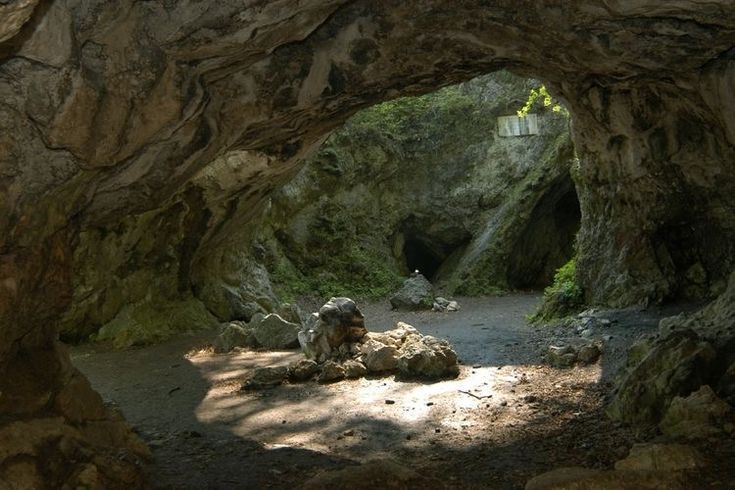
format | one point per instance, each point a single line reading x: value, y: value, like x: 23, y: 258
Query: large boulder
x: 427, y: 357
x: 659, y: 370
x: 273, y: 332
x: 235, y: 334
x: 379, y: 357
x: 342, y: 321
x: 698, y: 416
x: 417, y: 293
x: 338, y: 322
x: 661, y: 457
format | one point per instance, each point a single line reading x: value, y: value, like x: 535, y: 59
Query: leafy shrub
x: 541, y: 94
x: 563, y: 297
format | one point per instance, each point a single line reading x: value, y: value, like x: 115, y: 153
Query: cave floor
x: 506, y: 418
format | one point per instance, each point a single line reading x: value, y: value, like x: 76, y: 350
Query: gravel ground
x: 507, y: 417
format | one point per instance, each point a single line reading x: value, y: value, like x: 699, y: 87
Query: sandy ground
x: 506, y: 417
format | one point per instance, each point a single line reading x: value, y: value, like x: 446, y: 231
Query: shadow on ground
x: 503, y: 420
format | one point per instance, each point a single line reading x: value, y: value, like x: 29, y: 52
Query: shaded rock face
x: 687, y: 361
x: 416, y: 293
x: 114, y: 110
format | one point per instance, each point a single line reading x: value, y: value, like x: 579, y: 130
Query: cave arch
x: 111, y: 111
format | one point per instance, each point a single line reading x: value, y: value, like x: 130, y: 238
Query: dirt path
x: 504, y: 419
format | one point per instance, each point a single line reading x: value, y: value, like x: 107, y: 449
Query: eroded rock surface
x: 114, y: 114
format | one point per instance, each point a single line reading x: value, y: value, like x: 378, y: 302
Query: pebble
x: 390, y: 402
x: 349, y: 433
x: 504, y: 403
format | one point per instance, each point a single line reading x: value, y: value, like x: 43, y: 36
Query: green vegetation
x: 421, y: 118
x: 564, y: 297
x: 358, y: 273
x: 542, y: 95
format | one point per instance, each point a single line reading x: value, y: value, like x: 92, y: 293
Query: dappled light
x: 533, y: 204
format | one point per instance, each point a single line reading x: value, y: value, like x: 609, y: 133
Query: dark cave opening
x: 547, y: 242
x: 420, y: 256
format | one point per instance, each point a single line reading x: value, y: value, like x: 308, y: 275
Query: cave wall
x: 656, y: 187
x: 110, y: 109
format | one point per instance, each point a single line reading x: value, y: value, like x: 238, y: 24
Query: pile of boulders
x: 337, y: 346
x: 337, y: 340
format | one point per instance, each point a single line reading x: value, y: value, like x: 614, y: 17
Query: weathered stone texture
x: 110, y: 110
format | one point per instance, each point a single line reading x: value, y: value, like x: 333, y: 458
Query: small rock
x: 561, y: 355
x: 303, y: 370
x: 266, y: 377
x: 330, y: 372
x: 587, y: 354
x: 234, y: 334
x: 354, y: 369
x: 390, y: 402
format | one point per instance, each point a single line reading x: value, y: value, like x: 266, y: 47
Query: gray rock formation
x: 416, y: 293
x: 338, y: 322
x: 658, y: 371
x: 165, y: 126
x: 330, y: 372
x: 303, y: 370
x: 379, y: 357
x: 689, y: 352
x: 273, y: 332
x: 234, y: 334
x: 698, y: 416
x: 571, y: 352
x: 427, y: 357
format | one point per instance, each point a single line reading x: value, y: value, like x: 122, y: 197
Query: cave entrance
x: 422, y: 257
x: 547, y: 241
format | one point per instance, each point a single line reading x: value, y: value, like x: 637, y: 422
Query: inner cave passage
x: 421, y: 257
